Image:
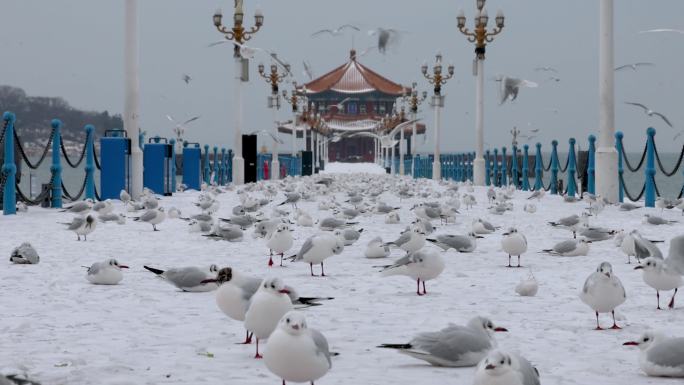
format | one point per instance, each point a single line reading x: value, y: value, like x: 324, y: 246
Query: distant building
x: 370, y: 97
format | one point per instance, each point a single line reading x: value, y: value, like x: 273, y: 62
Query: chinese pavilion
x: 368, y: 98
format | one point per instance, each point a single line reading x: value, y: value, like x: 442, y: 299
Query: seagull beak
x: 284, y: 291
x: 479, y: 237
x: 123, y: 267
x: 631, y: 343
x: 210, y: 280
x: 500, y: 329
x: 506, y: 234
x: 638, y: 267
x: 490, y: 367
x: 295, y: 327
x: 607, y: 274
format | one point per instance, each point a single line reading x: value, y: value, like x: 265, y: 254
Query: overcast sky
x: 74, y: 49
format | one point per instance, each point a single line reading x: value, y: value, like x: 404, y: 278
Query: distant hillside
x: 34, y: 114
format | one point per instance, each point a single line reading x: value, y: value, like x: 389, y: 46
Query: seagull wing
x: 322, y: 31
x: 528, y: 84
x: 401, y: 126
x: 218, y: 42
x: 663, y: 30
x: 191, y: 120
x: 639, y: 105
x: 170, y: 118
x: 675, y: 258
x: 348, y: 26
x: 663, y: 117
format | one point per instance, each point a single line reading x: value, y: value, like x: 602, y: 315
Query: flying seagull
x: 386, y: 38
x: 248, y: 52
x: 511, y: 86
x: 663, y: 30
x: 633, y: 66
x: 187, y: 78
x: 337, y: 31
x: 650, y: 112
x: 307, y: 70
x: 264, y: 132
x: 340, y: 105
x: 546, y: 69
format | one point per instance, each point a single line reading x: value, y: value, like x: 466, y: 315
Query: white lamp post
x: 438, y: 79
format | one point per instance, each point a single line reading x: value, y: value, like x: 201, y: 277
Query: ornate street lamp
x: 239, y: 35
x: 274, y: 78
x: 413, y: 101
x: 480, y: 36
x: 438, y: 79
x: 296, y: 98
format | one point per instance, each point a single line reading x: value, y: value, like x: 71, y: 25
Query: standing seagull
x: 268, y: 305
x: 514, y: 243
x: 279, y: 242
x: 650, y: 112
x: 603, y: 292
x: 660, y: 356
x: 296, y: 353
x: 419, y: 266
x: 658, y: 275
x: 453, y: 346
x: 153, y: 217
x: 82, y: 226
x: 318, y: 248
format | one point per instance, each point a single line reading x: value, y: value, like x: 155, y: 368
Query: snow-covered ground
x: 63, y: 330
x: 347, y: 168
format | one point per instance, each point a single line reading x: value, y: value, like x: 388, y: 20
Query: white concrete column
x: 606, y: 154
x: 275, y: 163
x: 238, y: 160
x: 413, y: 142
x: 131, y: 102
x: 294, y: 134
x: 402, y: 145
x: 479, y: 168
x: 436, y: 165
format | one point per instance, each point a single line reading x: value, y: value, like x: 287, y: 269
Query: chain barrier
x: 38, y: 199
x: 624, y: 188
x: 42, y: 157
x: 66, y: 157
x: 4, y: 130
x: 97, y: 160
x: 641, y: 162
x: 80, y: 192
x: 660, y: 164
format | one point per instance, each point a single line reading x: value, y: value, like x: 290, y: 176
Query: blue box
x: 115, y: 152
x: 157, y: 168
x: 192, y: 167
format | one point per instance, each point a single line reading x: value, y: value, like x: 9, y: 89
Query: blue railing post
x: 514, y: 166
x: 554, y: 167
x: 172, y: 142
x: 572, y: 169
x: 222, y: 167
x: 90, y: 163
x: 591, y: 165
x: 504, y: 167
x: 56, y: 167
x: 621, y: 169
x: 488, y: 169
x: 9, y: 169
x: 471, y: 168
x: 229, y: 167
x: 538, y: 168
x: 525, y: 168
x: 497, y: 180
x: 207, y: 169
x: 216, y: 165
x: 649, y: 173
